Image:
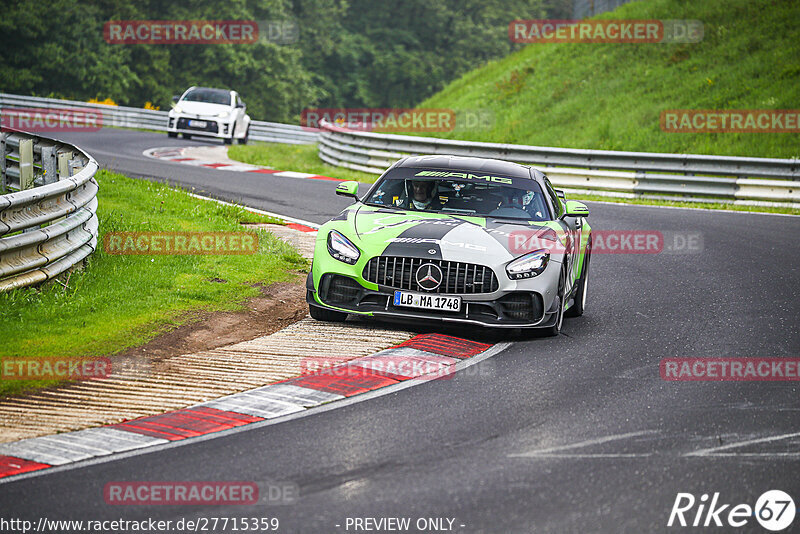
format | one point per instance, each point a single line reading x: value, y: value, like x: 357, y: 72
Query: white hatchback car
x: 204, y: 111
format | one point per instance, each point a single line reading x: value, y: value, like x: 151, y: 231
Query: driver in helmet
x: 422, y: 195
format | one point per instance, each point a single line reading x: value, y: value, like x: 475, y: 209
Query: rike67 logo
x: 774, y: 510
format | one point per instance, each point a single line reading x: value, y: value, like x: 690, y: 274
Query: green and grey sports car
x: 454, y: 239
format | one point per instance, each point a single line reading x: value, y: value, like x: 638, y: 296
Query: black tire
x: 229, y: 140
x: 187, y: 136
x: 243, y: 140
x: 579, y: 301
x: 324, y: 314
x: 556, y: 328
x: 172, y: 134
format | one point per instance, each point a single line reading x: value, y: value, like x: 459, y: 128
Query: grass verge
x: 120, y: 301
x: 298, y: 158
x: 610, y: 96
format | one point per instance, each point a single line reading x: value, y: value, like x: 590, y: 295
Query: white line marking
x: 380, y: 392
x: 293, y: 174
x: 238, y: 168
x: 713, y: 450
x: 587, y: 443
x: 262, y: 212
x: 690, y: 208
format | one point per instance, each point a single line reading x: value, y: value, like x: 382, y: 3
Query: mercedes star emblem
x: 429, y: 276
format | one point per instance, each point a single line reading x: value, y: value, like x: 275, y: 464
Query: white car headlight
x: 177, y: 109
x: 529, y: 265
x: 223, y: 114
x: 342, y: 249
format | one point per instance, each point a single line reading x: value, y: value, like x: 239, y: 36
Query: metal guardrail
x: 147, y: 119
x: 758, y: 181
x: 49, y: 224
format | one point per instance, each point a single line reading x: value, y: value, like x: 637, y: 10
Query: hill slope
x: 609, y: 96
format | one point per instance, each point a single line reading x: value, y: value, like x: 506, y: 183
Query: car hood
x: 203, y: 108
x: 480, y: 240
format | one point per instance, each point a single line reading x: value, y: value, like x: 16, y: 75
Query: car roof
x: 470, y: 164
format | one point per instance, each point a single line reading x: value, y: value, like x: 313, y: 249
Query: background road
x: 121, y: 150
x: 570, y: 434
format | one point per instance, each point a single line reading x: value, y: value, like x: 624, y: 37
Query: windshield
x: 461, y: 193
x: 210, y: 96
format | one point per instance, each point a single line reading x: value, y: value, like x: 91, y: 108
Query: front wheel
x: 243, y: 140
x: 187, y: 136
x: 579, y: 301
x: 172, y: 134
x: 556, y: 328
x: 324, y: 314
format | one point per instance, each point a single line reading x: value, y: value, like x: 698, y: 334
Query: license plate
x: 428, y: 302
x: 198, y: 124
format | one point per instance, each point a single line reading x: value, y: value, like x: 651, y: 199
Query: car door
x: 571, y: 227
x: 240, y: 112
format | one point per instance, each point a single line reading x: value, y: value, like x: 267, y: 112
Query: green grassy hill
x: 609, y: 96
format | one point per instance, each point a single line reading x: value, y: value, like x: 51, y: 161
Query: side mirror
x: 241, y: 105
x: 175, y: 99
x: 576, y: 209
x: 348, y: 189
x: 560, y: 194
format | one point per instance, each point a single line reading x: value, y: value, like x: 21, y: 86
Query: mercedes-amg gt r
x: 462, y: 240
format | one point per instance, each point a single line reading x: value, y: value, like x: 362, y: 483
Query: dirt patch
x: 278, y: 306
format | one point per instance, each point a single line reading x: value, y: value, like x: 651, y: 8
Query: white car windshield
x: 480, y: 196
x: 210, y: 96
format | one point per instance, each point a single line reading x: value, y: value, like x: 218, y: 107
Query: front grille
x: 211, y: 126
x: 458, y: 277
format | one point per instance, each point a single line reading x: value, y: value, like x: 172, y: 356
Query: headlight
x: 223, y: 114
x: 342, y: 249
x: 529, y: 265
x: 177, y: 109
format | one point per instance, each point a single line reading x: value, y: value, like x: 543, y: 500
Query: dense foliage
x: 359, y: 53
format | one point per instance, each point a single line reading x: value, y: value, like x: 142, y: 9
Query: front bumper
x: 215, y: 127
x: 500, y: 309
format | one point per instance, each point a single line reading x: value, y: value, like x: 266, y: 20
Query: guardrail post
x: 3, y: 183
x: 25, y: 164
x: 64, y: 169
x: 49, y: 164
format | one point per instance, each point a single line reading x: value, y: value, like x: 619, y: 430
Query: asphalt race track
x: 121, y: 150
x: 577, y: 433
